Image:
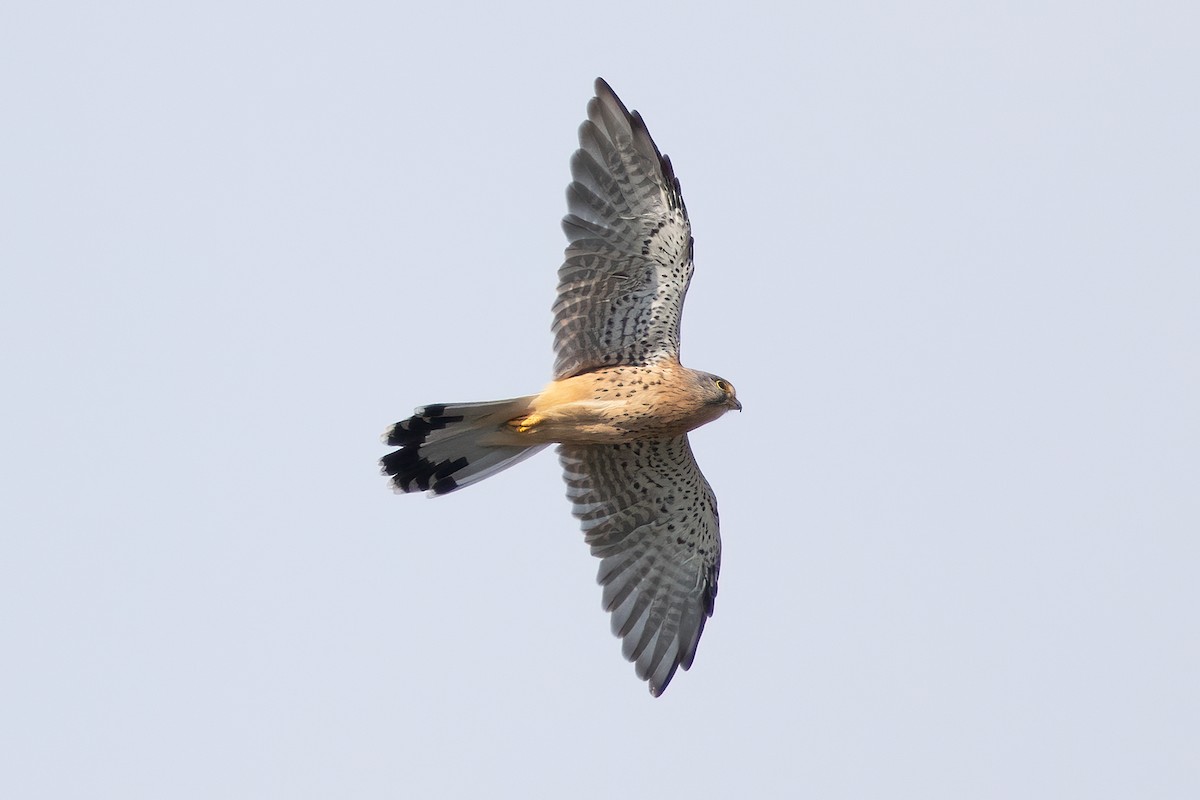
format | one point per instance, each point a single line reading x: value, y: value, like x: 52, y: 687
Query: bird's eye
x: 722, y: 385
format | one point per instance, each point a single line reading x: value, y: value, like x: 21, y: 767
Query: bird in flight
x: 620, y: 405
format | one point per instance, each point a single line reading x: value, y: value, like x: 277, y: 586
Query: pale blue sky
x: 949, y: 255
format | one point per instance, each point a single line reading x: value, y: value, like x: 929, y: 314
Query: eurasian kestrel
x: 620, y: 404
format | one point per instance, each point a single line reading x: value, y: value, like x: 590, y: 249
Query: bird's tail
x: 447, y: 446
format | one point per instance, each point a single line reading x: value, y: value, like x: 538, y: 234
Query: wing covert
x: 629, y: 258
x: 650, y: 517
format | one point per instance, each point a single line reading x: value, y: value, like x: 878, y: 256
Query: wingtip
x: 658, y: 687
x: 606, y: 94
x: 607, y: 100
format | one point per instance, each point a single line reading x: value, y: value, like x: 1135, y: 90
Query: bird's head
x: 720, y: 392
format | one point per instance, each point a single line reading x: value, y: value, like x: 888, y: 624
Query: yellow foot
x: 525, y: 424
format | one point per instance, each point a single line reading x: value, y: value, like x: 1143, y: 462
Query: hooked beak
x: 735, y: 403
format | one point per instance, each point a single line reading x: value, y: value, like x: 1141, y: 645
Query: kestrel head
x: 720, y: 392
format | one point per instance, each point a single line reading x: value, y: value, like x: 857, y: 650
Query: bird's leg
x: 525, y: 424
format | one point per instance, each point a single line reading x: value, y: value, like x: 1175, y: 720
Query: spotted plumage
x: 620, y: 405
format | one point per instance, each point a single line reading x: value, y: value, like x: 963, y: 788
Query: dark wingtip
x: 638, y: 126
x: 657, y: 689
x: 605, y: 92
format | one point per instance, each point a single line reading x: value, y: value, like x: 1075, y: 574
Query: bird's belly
x: 620, y: 404
x: 601, y: 422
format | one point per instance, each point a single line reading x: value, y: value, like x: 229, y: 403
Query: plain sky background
x: 949, y: 253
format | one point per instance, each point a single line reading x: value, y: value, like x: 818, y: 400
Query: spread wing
x: 651, y: 518
x: 629, y: 260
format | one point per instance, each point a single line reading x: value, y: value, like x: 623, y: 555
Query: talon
x: 525, y: 424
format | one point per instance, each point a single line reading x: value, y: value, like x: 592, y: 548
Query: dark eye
x: 722, y: 385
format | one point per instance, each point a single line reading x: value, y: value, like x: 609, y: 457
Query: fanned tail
x: 444, y: 447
